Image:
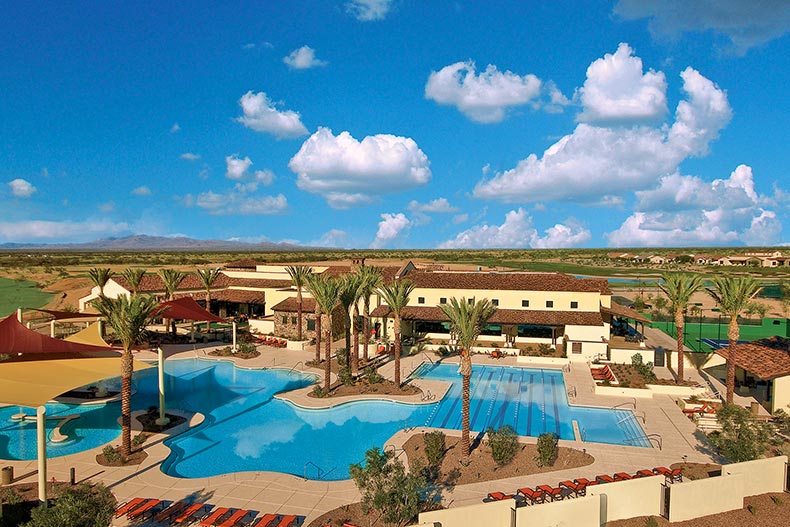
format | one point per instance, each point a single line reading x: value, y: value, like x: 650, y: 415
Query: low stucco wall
x: 577, y: 512
x: 623, y: 356
x: 626, y: 392
x: 494, y: 514
x: 553, y: 361
x: 680, y: 391
x: 761, y: 475
x: 692, y: 499
x: 627, y: 499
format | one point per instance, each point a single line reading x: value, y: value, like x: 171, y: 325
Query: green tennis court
x: 707, y: 337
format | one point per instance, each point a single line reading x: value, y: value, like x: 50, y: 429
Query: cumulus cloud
x: 142, y: 191
x: 302, y: 59
x: 596, y: 161
x: 33, y: 230
x: 616, y: 90
x: 439, y: 205
x: 516, y: 232
x: 238, y: 201
x: 391, y: 227
x: 369, y: 10
x: 189, y: 156
x: 348, y: 172
x: 261, y: 115
x: 484, y: 98
x: 236, y: 167
x: 21, y: 188
x: 331, y: 238
x: 687, y: 211
x: 745, y: 24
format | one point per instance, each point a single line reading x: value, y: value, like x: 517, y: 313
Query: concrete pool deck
x: 287, y: 494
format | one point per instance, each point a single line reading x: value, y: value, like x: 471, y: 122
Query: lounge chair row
x: 271, y: 341
x: 186, y: 513
x: 603, y: 374
x: 578, y: 487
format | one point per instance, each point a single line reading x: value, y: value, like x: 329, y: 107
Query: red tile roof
x: 239, y: 296
x: 152, y: 283
x: 260, y: 283
x: 766, y: 358
x: 512, y: 281
x: 246, y: 263
x: 290, y: 305
x: 504, y: 316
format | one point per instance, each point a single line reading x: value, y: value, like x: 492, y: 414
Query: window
x: 574, y: 304
x: 492, y: 329
x: 310, y: 324
x: 549, y: 303
x: 495, y: 301
x: 420, y: 299
x: 285, y: 319
x: 443, y: 300
x: 293, y: 320
x: 430, y: 326
x: 525, y: 303
x: 576, y: 347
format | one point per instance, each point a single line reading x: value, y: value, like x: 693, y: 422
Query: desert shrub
x: 777, y: 500
x: 544, y: 349
x: 373, y: 376
x: 645, y: 369
x: 346, y: 377
x: 752, y: 509
x: 83, y: 505
x: 110, y: 454
x: 651, y: 522
x: 503, y: 443
x: 319, y: 391
x: 547, y: 450
x: 138, y: 440
x: 434, y: 447
x: 741, y: 438
x: 246, y: 348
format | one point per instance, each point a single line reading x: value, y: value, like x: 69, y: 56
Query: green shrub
x: 547, y: 450
x: 645, y: 369
x: 544, y: 349
x: 346, y: 377
x: 138, y: 440
x: 373, y: 376
x: 110, y: 454
x: 651, y: 522
x: 777, y: 500
x: 503, y: 443
x: 434, y: 447
x: 742, y: 438
x: 83, y: 505
x: 752, y: 509
x: 319, y: 391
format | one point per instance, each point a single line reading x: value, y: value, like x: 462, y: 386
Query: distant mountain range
x: 141, y: 242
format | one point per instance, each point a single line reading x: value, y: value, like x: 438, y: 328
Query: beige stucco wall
x: 623, y: 356
x: 577, y: 512
x: 761, y: 475
x: 702, y: 497
x: 781, y: 394
x: 493, y: 514
x: 627, y: 499
x: 508, y: 299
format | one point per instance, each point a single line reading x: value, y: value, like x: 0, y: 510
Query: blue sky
x: 397, y: 124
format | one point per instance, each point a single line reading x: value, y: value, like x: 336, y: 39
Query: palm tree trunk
x: 680, y: 324
x: 355, y: 353
x: 466, y: 376
x: 732, y: 334
x: 347, y: 337
x: 317, y: 335
x: 328, y: 352
x: 397, y: 351
x: 299, y: 314
x: 127, y: 367
x: 366, y: 329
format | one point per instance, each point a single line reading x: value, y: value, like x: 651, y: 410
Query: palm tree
x: 207, y: 277
x: 349, y: 294
x: 134, y: 278
x: 100, y: 276
x: 371, y: 281
x: 466, y: 322
x: 128, y: 318
x: 396, y: 295
x: 679, y: 288
x: 732, y: 296
x: 326, y: 292
x: 299, y: 274
x: 171, y: 279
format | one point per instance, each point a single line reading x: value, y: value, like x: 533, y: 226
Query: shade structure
x: 36, y: 382
x: 185, y: 308
x: 16, y: 339
x: 90, y: 336
x: 64, y: 315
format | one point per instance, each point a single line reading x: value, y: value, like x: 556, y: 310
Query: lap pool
x: 247, y: 429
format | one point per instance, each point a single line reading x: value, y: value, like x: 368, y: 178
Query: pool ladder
x: 294, y: 367
x: 641, y: 415
x: 321, y: 472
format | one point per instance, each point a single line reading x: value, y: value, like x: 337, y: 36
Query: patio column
x: 192, y: 332
x: 234, y: 337
x: 41, y: 435
x: 52, y: 328
x: 19, y: 314
x: 162, y: 420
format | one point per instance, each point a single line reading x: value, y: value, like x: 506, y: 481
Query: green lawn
x: 20, y: 293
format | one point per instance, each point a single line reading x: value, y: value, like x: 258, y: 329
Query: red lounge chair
x: 578, y: 489
x: 286, y: 521
x: 265, y: 520
x: 187, y: 514
x: 128, y: 506
x: 170, y: 511
x: 555, y: 493
x: 498, y: 496
x: 532, y: 495
x: 214, y: 517
x: 671, y: 475
x: 586, y: 482
x: 139, y: 512
x: 234, y: 518
x: 622, y: 476
x: 644, y: 473
x: 604, y: 478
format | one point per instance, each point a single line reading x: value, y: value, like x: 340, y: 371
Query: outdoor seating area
x: 578, y: 487
x: 139, y: 510
x: 603, y: 374
x: 270, y: 341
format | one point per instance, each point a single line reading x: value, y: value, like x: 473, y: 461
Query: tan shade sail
x: 33, y: 383
x: 90, y: 336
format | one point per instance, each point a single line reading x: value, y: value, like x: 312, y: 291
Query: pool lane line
x: 556, y: 408
x: 473, y: 419
x: 498, y: 419
x: 530, y: 390
x: 492, y: 399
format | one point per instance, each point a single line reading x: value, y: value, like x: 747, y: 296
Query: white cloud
x: 516, y: 232
x: 331, y: 238
x: 369, y: 10
x: 175, y: 128
x: 439, y: 205
x: 391, y: 227
x: 484, y: 97
x: 264, y: 177
x: 261, y: 115
x: 21, y: 188
x: 236, y: 167
x: 597, y: 161
x: 189, y: 156
x: 303, y: 58
x: 557, y: 101
x: 745, y: 24
x: 35, y: 230
x: 687, y: 211
x: 347, y: 172
x: 460, y: 218
x: 616, y: 90
x: 142, y: 191
x: 239, y: 202
x: 109, y: 206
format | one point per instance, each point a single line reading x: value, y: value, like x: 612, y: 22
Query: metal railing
x: 311, y: 464
x: 428, y: 396
x: 624, y: 403
x: 294, y: 367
